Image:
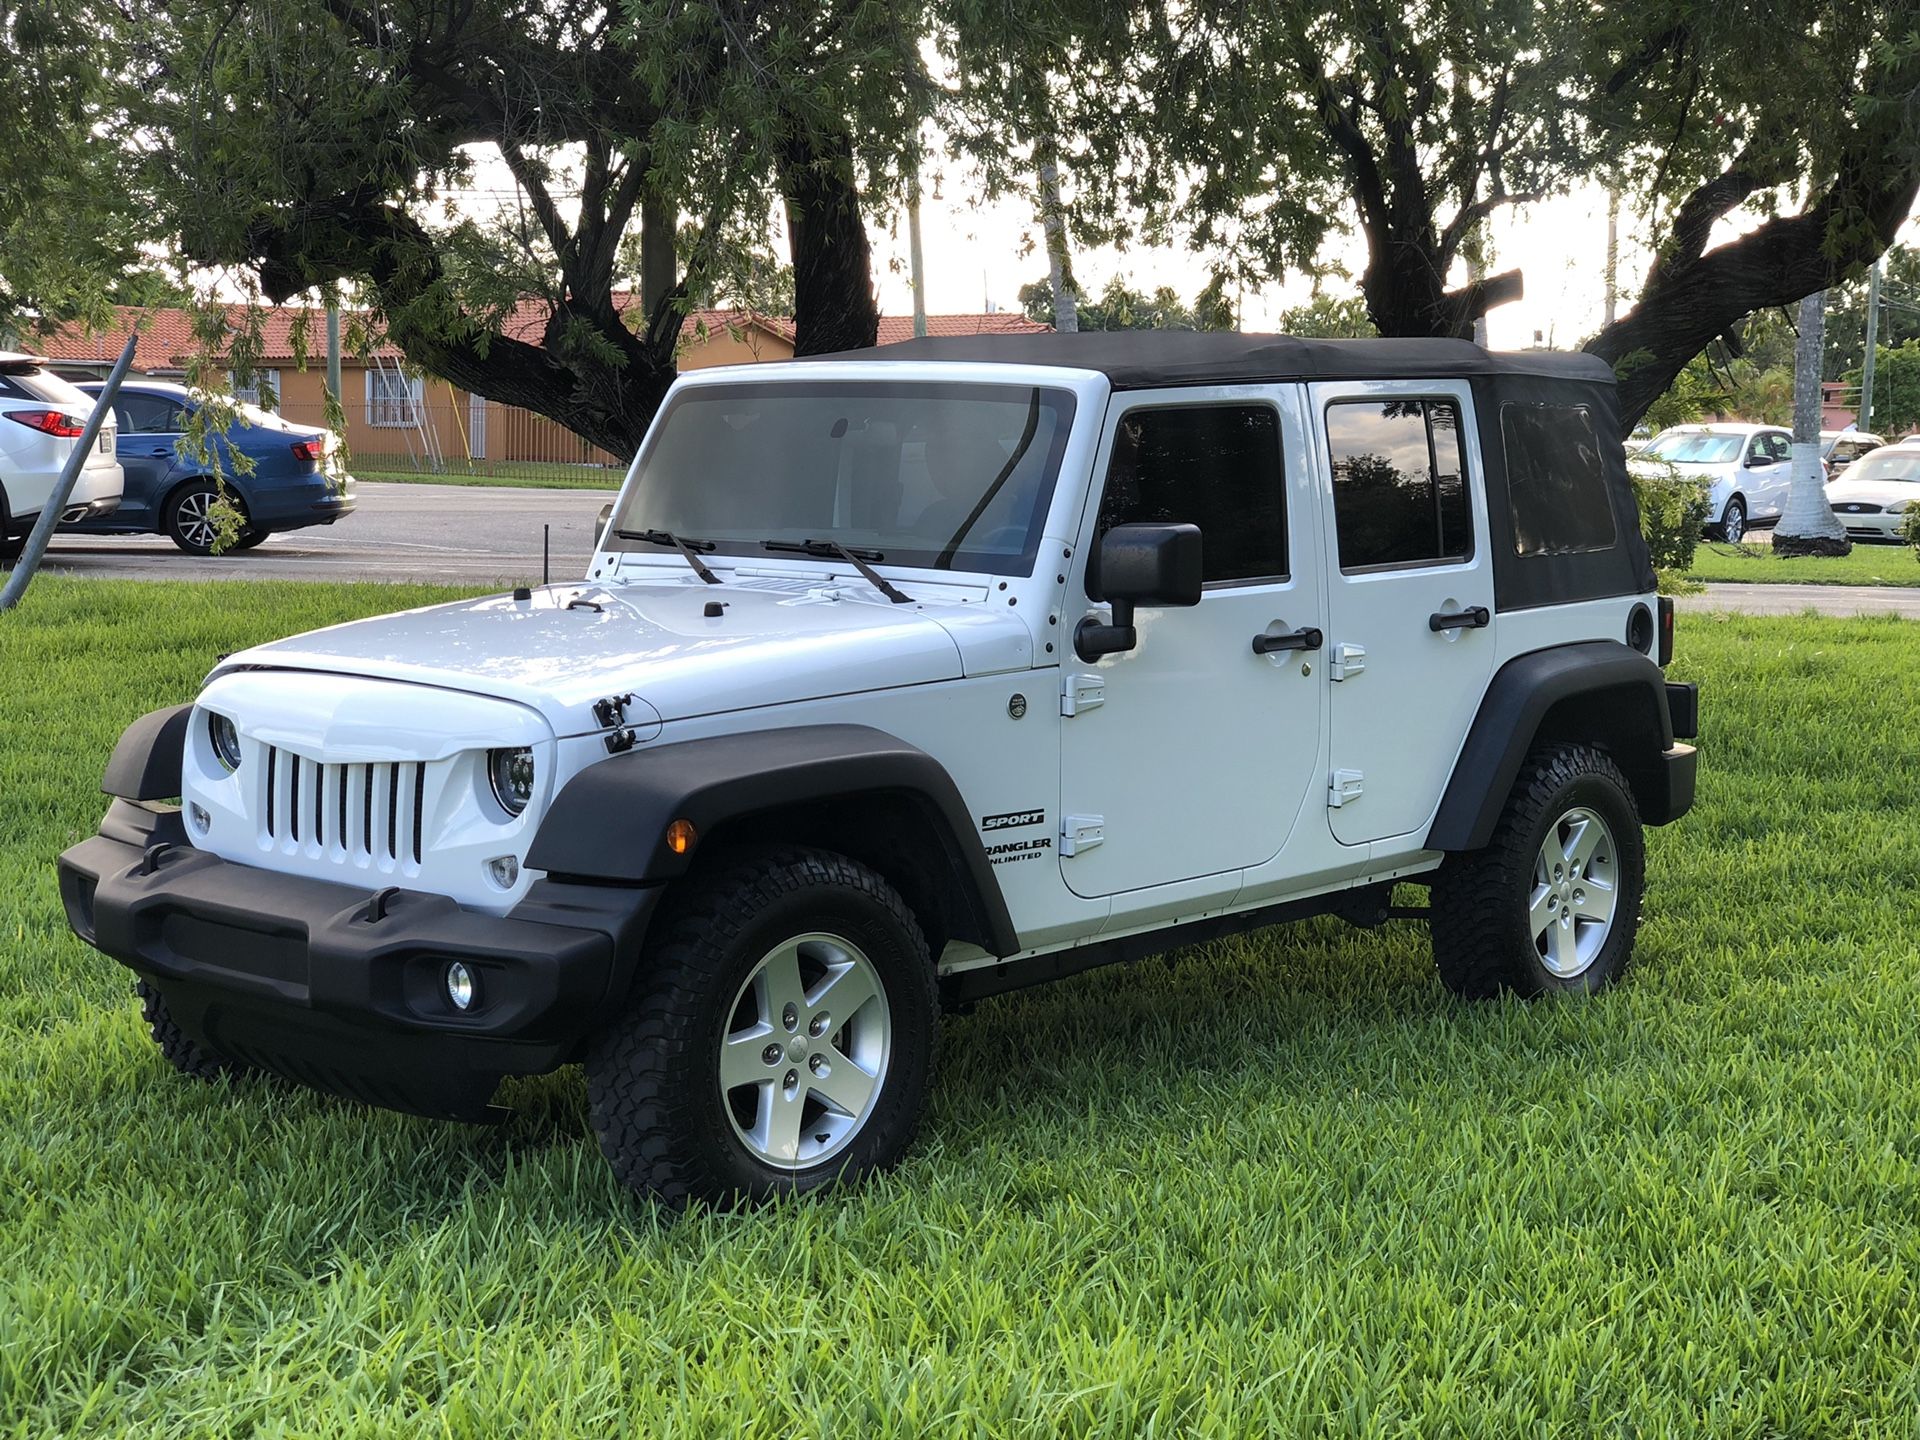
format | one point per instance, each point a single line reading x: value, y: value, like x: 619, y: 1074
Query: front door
x: 150, y: 426
x: 1192, y: 755
x: 1410, y: 599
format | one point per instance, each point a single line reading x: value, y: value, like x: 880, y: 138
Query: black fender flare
x: 608, y: 823
x: 1622, y: 705
x: 147, y: 759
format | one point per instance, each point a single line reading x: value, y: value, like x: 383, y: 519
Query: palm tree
x: 1808, y: 527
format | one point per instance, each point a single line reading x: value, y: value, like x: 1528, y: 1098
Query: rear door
x: 1410, y: 597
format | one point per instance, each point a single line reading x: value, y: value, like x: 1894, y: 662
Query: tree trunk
x: 833, y: 305
x: 1809, y: 527
x: 659, y: 267
x: 1053, y: 224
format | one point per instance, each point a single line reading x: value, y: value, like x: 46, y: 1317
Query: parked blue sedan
x: 296, y: 478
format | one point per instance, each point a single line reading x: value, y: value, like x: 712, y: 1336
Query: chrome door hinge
x: 1347, y: 661
x: 1082, y: 832
x: 1347, y: 786
x: 1083, y: 693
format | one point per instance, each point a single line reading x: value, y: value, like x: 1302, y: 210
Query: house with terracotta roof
x: 400, y: 419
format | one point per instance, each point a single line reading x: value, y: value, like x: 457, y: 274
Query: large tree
x: 450, y: 158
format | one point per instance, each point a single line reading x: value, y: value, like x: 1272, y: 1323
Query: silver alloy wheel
x: 193, y: 518
x: 805, y: 1055
x: 1576, y: 889
x: 1733, y: 523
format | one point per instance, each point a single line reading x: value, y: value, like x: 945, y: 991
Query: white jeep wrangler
x: 918, y: 674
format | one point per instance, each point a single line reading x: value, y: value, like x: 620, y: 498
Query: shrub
x: 1911, y: 529
x: 1673, y: 512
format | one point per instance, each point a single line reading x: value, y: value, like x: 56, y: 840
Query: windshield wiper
x: 856, y: 558
x: 685, y: 547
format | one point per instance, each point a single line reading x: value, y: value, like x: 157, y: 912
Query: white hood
x: 1872, y: 492
x: 569, y: 645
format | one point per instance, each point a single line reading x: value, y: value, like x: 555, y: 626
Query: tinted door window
x: 1215, y: 466
x: 147, y: 414
x: 1399, y: 482
x: 1779, y: 447
x: 1556, y: 486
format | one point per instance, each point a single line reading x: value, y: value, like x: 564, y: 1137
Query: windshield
x: 942, y: 476
x: 1888, y: 464
x: 1695, y: 447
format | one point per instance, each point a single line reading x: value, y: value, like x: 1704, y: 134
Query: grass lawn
x: 1758, y: 565
x: 1275, y: 1186
x: 530, y: 476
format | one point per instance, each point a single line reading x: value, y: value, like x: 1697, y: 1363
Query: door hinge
x: 1081, y: 832
x: 1347, y: 661
x: 1347, y: 786
x: 1083, y: 693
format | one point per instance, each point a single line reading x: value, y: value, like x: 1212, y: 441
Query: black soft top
x: 1149, y: 359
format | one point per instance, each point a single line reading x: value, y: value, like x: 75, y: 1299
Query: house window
x: 394, y: 398
x: 262, y: 390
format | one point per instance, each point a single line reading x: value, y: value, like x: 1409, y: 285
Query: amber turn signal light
x: 680, y: 836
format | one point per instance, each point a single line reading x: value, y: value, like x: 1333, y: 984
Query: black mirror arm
x: 1091, y: 639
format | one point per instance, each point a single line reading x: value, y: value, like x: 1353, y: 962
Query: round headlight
x: 225, y: 741
x: 512, y: 774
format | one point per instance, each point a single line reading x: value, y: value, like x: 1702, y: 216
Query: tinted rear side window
x: 1399, y: 482
x: 143, y: 414
x: 1215, y: 466
x: 1556, y: 484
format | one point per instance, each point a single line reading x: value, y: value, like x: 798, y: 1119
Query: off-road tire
x: 1482, y: 939
x: 652, y: 1081
x: 185, y: 1054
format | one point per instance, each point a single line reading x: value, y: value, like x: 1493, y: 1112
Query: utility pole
x: 1865, y: 421
x: 1613, y: 254
x: 914, y: 261
x: 333, y: 358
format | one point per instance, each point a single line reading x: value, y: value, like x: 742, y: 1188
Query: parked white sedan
x: 1748, y: 470
x: 1871, y: 499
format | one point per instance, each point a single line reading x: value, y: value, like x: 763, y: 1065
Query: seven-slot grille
x: 368, y: 812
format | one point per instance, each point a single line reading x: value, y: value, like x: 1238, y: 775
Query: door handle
x: 157, y: 454
x: 1304, y: 639
x: 1473, y: 618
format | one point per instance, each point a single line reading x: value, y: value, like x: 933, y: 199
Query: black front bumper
x: 318, y: 982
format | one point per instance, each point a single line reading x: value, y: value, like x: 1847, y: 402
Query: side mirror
x: 1139, y: 565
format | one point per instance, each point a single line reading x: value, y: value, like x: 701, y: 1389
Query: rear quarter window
x: 1556, y: 481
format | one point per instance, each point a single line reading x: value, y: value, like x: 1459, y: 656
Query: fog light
x: 504, y: 871
x: 460, y: 986
x: 199, y: 819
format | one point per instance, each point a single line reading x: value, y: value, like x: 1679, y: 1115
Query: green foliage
x: 1896, y: 388
x: 1673, y: 512
x: 1695, y: 393
x: 1274, y: 1186
x: 1326, y: 317
x: 1910, y: 528
x: 1899, y: 311
x: 1121, y: 307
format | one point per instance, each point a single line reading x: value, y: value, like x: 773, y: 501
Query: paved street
x: 490, y: 535
x: 1794, y: 599
x: 455, y: 534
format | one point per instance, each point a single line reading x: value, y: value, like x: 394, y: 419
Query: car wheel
x: 249, y: 538
x: 1733, y: 522
x: 1552, y: 904
x: 188, y: 519
x: 782, y: 1036
x: 183, y: 1052
x: 11, y: 548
